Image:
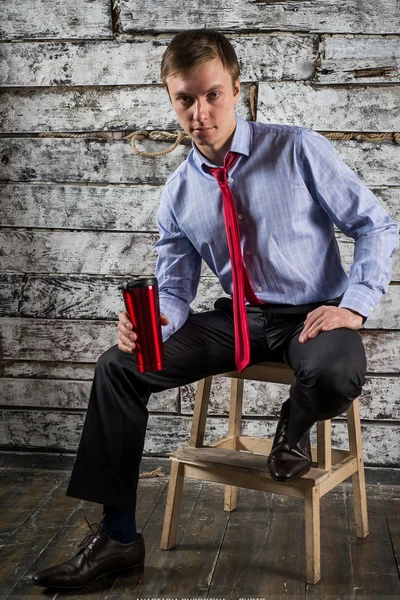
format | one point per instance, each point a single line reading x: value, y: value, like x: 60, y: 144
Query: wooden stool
x: 222, y: 462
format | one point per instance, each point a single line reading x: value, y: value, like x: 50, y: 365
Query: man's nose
x: 200, y: 110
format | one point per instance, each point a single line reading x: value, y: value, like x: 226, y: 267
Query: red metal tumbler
x: 142, y: 305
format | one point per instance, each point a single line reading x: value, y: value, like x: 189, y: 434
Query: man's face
x: 204, y: 102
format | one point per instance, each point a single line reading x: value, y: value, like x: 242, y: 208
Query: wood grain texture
x: 259, y: 545
x: 81, y: 297
x: 390, y: 199
x: 94, y: 297
x: 121, y: 208
x: 98, y: 336
x: 206, y: 530
x: 330, y: 108
x: 368, y: 562
x: 77, y: 160
x: 84, y: 341
x: 10, y: 291
x: 327, y: 16
x: 92, y: 109
x: 110, y: 207
x: 79, y: 252
x: 55, y: 19
x: 335, y: 108
x: 98, y: 252
x: 49, y: 370
x: 386, y: 315
x: 273, y: 56
x: 232, y: 578
x: 382, y: 351
x: 68, y: 395
x: 20, y: 502
x: 379, y: 400
x: 358, y: 59
x: 34, y: 534
x: 60, y: 431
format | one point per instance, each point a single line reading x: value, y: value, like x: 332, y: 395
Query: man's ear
x: 236, y: 90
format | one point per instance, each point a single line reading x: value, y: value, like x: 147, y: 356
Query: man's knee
x: 113, y: 359
x: 115, y: 365
x: 117, y: 382
x: 107, y: 358
x: 334, y: 385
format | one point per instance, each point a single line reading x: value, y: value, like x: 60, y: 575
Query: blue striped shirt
x: 290, y: 189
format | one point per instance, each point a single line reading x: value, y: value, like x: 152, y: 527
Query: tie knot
x: 221, y: 173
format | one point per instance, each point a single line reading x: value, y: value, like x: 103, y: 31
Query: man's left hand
x: 327, y: 318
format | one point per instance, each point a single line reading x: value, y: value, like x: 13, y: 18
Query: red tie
x: 241, y: 284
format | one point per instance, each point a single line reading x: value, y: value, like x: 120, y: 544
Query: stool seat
x: 238, y: 460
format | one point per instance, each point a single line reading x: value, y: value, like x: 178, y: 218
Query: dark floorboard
x: 257, y: 551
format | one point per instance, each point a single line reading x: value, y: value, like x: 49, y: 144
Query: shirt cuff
x: 360, y: 298
x: 177, y: 315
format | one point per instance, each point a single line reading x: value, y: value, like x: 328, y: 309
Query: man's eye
x: 214, y: 95
x: 184, y: 99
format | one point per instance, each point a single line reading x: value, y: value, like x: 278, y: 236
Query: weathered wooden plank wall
x: 78, y: 215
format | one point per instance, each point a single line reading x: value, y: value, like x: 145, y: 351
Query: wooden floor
x: 255, y: 552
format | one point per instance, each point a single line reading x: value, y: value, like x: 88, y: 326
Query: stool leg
x: 313, y: 543
x: 235, y: 423
x: 358, y: 479
x: 324, y: 445
x: 230, y: 498
x: 174, y: 497
x: 200, y: 412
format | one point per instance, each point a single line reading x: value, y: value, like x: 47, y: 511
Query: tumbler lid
x: 138, y: 283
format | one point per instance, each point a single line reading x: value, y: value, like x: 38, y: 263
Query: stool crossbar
x: 241, y: 461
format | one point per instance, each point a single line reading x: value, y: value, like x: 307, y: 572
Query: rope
x: 362, y: 137
x: 253, y: 102
x: 156, y: 473
x: 92, y: 134
x: 180, y: 137
x: 157, y: 135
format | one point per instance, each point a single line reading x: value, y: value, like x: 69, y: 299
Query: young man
x: 282, y: 191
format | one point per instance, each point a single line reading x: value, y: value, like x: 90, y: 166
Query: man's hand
x: 127, y: 337
x: 327, y: 318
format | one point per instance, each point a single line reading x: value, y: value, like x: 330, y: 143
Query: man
x: 289, y: 188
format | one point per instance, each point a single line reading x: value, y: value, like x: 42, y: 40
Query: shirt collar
x: 240, y: 142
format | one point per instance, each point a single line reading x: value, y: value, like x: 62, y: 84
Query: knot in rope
x: 162, y: 136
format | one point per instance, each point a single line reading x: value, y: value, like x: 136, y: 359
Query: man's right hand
x: 126, y: 335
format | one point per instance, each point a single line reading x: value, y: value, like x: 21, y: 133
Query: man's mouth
x: 201, y: 129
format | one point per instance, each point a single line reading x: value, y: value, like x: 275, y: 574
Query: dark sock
x: 120, y: 524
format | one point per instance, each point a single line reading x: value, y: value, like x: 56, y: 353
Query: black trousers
x: 329, y: 374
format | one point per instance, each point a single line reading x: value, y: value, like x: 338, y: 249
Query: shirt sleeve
x: 356, y: 212
x: 177, y: 270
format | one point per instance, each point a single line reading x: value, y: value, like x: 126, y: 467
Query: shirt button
x: 248, y: 252
x: 240, y: 216
x: 371, y: 308
x: 230, y: 179
x: 259, y: 288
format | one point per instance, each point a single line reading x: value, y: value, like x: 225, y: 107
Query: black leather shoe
x: 285, y: 463
x: 100, y: 556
